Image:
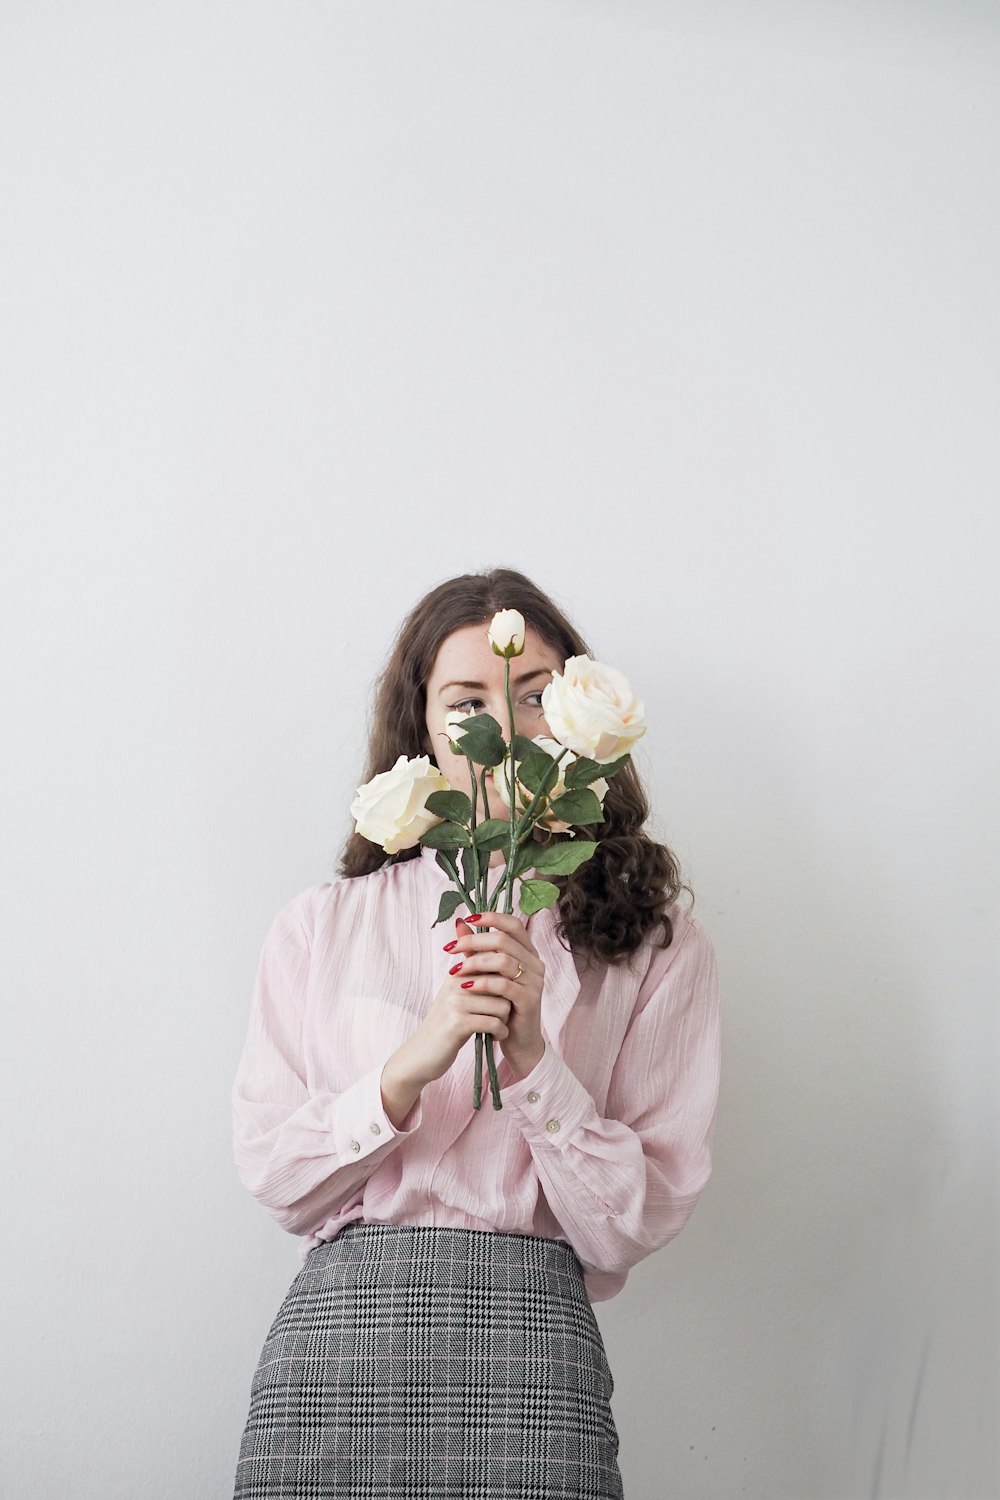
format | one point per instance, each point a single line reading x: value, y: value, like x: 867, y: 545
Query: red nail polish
x: 475, y: 916
x: 449, y: 946
x: 467, y: 984
x: 455, y: 969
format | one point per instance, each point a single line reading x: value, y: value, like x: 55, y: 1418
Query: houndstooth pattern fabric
x: 419, y: 1363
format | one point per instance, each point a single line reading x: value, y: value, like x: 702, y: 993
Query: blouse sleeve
x: 301, y: 1153
x: 622, y: 1186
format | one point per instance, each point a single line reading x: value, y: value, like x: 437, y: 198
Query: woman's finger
x: 507, y: 935
x: 497, y: 961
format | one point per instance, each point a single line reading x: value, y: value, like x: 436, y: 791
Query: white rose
x: 592, y: 708
x: 391, y: 808
x: 553, y: 748
x: 506, y: 632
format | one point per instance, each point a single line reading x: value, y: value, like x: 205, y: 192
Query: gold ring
x: 520, y: 971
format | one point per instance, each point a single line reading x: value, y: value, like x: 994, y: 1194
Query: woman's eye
x: 470, y: 703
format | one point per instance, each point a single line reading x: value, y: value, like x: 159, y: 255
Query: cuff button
x: 355, y: 1145
x: 552, y: 1126
x: 375, y: 1129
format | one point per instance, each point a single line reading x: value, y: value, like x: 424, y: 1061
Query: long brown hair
x: 612, y: 900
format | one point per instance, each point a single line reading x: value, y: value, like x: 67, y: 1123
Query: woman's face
x: 468, y: 676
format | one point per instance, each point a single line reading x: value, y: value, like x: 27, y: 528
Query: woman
x: 439, y: 1340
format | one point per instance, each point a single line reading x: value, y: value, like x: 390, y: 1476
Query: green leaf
x: 446, y: 836
x: 535, y: 894
x: 483, y: 743
x: 562, y: 858
x: 482, y: 721
x: 450, y: 900
x: 470, y: 867
x: 583, y: 771
x: 538, y: 771
x: 526, y: 856
x: 455, y: 806
x: 494, y: 833
x: 523, y: 746
x: 579, y: 807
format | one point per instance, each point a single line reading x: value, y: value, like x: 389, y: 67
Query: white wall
x: 690, y: 311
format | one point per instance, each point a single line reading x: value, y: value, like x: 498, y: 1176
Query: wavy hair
x: 610, y: 902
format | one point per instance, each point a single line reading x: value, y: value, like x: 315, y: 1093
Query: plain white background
x: 690, y: 312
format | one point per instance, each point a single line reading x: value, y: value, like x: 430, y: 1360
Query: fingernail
x: 449, y: 946
x: 475, y: 916
x: 456, y: 968
x: 467, y: 984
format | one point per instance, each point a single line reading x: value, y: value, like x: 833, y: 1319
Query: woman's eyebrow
x: 538, y: 672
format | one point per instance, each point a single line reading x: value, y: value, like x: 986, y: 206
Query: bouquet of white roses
x: 556, y: 783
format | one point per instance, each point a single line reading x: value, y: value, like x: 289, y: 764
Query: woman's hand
x: 490, y: 960
x: 455, y: 1014
x: 495, y: 1003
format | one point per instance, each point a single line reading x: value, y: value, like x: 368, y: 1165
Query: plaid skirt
x: 418, y: 1363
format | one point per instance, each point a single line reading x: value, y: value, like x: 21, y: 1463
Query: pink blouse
x: 605, y: 1144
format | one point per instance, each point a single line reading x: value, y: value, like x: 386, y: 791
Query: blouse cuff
x: 550, y: 1102
x: 360, y: 1123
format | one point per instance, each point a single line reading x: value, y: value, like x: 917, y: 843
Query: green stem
x: 511, y: 779
x: 456, y: 877
x: 484, y: 893
x: 494, y: 1080
x: 472, y: 779
x: 507, y: 883
x: 477, y: 1078
x: 484, y: 868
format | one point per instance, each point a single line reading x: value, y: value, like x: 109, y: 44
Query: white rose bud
x: 592, y: 708
x: 391, y: 808
x: 452, y: 719
x: 553, y: 748
x: 506, y: 632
